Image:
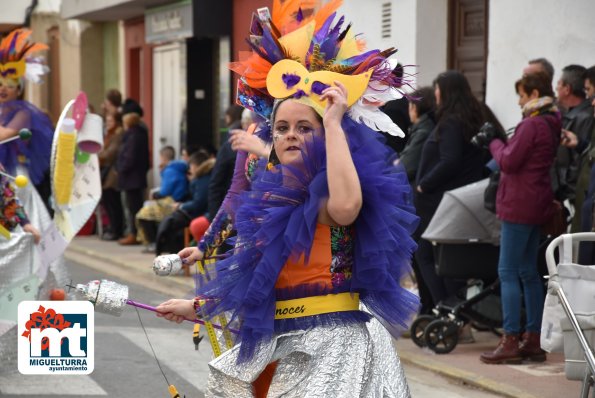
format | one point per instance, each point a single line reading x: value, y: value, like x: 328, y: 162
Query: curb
x: 464, y: 376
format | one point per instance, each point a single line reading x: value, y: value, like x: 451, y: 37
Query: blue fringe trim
x: 37, y: 149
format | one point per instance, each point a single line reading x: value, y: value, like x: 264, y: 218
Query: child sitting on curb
x: 173, y: 189
x: 170, y: 236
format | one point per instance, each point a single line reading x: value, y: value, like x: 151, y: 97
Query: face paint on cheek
x: 9, y: 83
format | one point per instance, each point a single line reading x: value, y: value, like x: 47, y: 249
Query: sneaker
x: 466, y: 334
x: 150, y: 248
x: 109, y: 236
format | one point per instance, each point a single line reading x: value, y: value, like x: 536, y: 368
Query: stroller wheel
x: 418, y: 328
x: 441, y: 336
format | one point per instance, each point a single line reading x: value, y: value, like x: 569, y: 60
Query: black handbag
x: 489, y: 195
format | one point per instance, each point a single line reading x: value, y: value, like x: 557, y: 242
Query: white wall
x: 562, y: 32
x: 13, y: 12
x: 366, y: 18
x: 432, y: 37
x: 419, y: 32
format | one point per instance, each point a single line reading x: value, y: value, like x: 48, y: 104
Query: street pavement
x: 124, y: 363
x: 126, y: 367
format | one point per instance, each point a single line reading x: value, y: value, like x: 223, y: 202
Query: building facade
x: 175, y: 56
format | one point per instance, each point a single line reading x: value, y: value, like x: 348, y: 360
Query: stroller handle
x: 549, y: 253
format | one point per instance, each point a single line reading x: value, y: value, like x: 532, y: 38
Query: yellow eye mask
x: 290, y: 78
x: 13, y: 70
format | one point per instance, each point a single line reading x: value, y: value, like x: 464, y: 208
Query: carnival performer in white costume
x: 32, y: 266
x: 323, y: 234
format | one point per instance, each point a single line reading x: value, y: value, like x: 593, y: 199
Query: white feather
x: 374, y: 118
x: 381, y: 93
x: 34, y: 71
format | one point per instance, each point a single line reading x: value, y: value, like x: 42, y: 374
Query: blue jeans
x: 519, y: 245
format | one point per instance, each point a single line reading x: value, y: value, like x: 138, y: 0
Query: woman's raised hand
x: 336, y: 104
x: 244, y: 141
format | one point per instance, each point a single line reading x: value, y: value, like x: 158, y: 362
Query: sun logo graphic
x: 56, y: 337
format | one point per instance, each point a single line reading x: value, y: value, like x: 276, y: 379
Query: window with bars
x: 386, y: 19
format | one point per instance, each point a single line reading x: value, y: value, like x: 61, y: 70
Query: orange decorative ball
x: 57, y: 294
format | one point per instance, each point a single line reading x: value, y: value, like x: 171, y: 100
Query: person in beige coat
x: 110, y: 198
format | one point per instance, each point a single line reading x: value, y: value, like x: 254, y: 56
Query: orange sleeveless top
x: 329, y: 264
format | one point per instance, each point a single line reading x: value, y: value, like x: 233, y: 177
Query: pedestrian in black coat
x: 448, y: 161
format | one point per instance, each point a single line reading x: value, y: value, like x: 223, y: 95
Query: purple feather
x: 290, y: 79
x: 358, y: 59
x: 335, y: 30
x: 258, y: 51
x: 323, y: 31
x: 299, y: 94
x: 12, y: 48
x: 300, y: 15
x: 270, y: 46
x: 319, y: 87
x: 256, y: 26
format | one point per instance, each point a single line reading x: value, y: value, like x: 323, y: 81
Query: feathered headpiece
x: 15, y: 57
x: 297, y: 53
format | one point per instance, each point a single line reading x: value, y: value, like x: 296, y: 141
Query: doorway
x: 54, y: 105
x: 169, y: 99
x: 468, y: 41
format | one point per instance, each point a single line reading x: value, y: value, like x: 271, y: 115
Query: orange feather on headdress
x: 14, y: 47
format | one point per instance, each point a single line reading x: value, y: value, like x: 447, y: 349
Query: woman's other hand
x: 176, y: 310
x: 190, y: 255
x: 33, y: 231
x: 243, y: 141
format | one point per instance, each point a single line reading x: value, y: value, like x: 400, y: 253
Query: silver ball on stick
x: 169, y: 264
x: 108, y: 297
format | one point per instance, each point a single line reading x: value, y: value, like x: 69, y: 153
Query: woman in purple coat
x: 524, y: 202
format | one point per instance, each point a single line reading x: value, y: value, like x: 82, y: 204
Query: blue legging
x: 519, y: 245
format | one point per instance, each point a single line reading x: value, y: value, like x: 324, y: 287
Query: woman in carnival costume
x: 16, y: 66
x: 323, y: 237
x: 29, y: 154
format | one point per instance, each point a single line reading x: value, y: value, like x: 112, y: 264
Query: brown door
x: 467, y: 41
x: 139, y: 70
x: 54, y: 105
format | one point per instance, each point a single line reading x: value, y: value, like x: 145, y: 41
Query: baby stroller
x: 571, y: 324
x: 465, y: 237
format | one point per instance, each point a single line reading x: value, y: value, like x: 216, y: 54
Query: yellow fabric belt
x: 317, y: 305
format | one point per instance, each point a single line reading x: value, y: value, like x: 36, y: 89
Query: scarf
x: 539, y: 106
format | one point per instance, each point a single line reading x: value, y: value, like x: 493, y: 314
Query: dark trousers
x: 149, y: 228
x: 586, y: 254
x: 112, y: 203
x: 440, y: 287
x: 425, y: 297
x: 170, y: 235
x: 44, y: 189
x: 134, y: 201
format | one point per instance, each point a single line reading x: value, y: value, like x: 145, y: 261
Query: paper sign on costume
x: 86, y: 193
x: 51, y: 246
x: 10, y: 297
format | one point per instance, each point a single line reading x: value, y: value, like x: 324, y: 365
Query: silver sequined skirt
x: 356, y: 360
x: 20, y: 261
